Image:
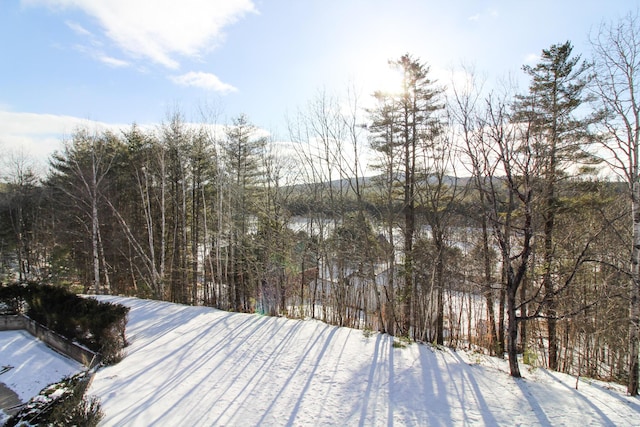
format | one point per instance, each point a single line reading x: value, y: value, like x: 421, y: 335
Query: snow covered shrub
x: 61, y: 404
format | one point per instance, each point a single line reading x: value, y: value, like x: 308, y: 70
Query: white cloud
x: 112, y: 62
x: 39, y: 135
x: 159, y: 30
x: 95, y: 51
x: 36, y: 124
x: 487, y: 14
x: 202, y: 80
x: 78, y: 29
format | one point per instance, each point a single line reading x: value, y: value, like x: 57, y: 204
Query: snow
x: 200, y: 366
x: 33, y: 365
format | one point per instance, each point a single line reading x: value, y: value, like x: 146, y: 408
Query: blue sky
x: 114, y: 62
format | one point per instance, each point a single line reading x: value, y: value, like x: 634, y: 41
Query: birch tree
x: 616, y: 49
x: 465, y: 110
x: 148, y: 170
x: 80, y: 172
x: 438, y: 191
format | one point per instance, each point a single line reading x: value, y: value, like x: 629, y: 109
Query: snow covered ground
x: 27, y: 365
x: 198, y: 366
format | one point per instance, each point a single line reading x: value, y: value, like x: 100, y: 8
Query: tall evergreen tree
x: 409, y: 129
x: 241, y: 152
x: 383, y: 130
x: 560, y: 138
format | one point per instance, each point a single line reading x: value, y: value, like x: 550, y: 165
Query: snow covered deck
x: 27, y: 365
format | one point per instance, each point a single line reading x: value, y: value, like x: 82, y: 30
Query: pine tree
x: 414, y: 125
x: 560, y: 138
x: 241, y: 152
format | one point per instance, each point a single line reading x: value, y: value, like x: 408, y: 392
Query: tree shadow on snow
x: 321, y: 338
x: 576, y: 393
x: 169, y: 366
x: 262, y: 371
x: 462, y: 375
x: 525, y: 389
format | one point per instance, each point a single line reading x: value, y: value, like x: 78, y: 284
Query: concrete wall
x: 52, y: 339
x: 12, y: 322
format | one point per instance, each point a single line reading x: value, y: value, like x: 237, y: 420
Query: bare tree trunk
x: 94, y: 228
x: 409, y: 290
x: 211, y: 297
x: 617, y: 47
x: 502, y: 304
x: 163, y: 226
x: 512, y: 341
x: 439, y: 287
x: 103, y: 261
x: 495, y: 347
x: 549, y: 256
x: 634, y: 300
x: 523, y: 314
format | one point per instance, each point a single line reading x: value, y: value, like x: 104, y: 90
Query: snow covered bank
x: 198, y: 366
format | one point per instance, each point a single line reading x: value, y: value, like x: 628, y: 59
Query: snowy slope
x: 196, y: 366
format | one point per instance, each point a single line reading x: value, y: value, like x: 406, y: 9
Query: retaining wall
x: 52, y: 339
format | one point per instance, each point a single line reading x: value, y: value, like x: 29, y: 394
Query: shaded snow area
x: 27, y: 365
x: 196, y: 366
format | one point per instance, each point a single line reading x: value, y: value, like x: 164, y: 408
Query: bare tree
x: 465, y: 111
x: 438, y: 192
x: 20, y: 206
x: 148, y: 167
x: 321, y: 137
x: 506, y: 169
x: 617, y: 60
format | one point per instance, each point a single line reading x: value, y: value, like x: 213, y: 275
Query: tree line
x: 487, y: 223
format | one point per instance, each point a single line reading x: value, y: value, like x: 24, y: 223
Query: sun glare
x: 387, y: 80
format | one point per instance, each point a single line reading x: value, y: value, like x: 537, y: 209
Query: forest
x: 506, y: 221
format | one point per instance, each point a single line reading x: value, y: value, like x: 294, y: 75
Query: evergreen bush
x: 99, y: 326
